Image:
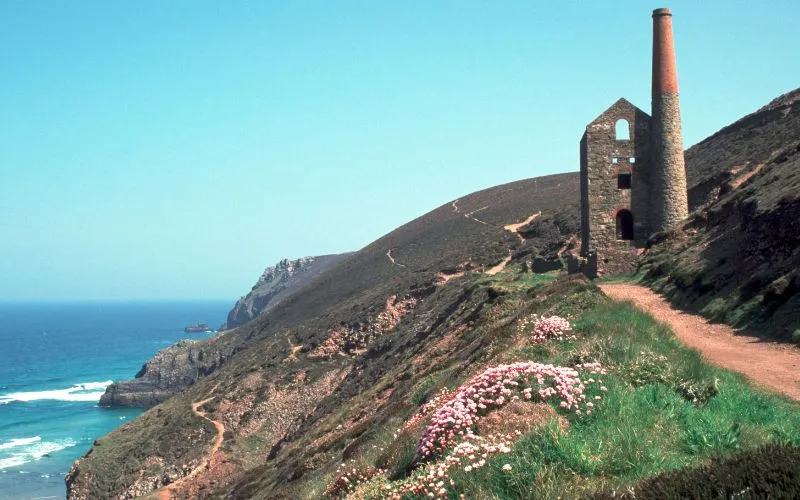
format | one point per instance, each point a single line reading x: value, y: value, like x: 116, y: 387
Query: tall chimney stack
x: 669, y: 203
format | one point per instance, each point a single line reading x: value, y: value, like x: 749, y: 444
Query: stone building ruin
x: 633, y: 178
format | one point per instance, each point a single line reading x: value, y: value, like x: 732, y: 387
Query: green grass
x: 636, y: 431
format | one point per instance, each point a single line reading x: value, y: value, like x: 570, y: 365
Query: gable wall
x: 602, y: 199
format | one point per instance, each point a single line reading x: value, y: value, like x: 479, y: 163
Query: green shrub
x: 647, y: 368
x: 772, y: 471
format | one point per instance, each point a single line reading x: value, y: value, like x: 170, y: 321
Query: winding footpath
x: 167, y: 492
x: 765, y: 363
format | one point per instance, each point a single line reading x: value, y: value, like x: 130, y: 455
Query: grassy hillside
x: 328, y: 343
x: 736, y: 259
x: 660, y: 408
x: 417, y: 366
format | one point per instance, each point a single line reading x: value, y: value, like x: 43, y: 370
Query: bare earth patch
x: 520, y: 416
x: 499, y: 267
x: 514, y: 228
x: 766, y: 363
x: 354, y: 339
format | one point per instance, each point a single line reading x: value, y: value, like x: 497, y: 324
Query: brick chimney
x: 669, y: 204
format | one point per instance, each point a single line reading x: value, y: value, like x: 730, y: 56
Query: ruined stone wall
x: 603, y: 156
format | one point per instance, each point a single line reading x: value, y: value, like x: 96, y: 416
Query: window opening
x: 622, y: 130
x: 624, y: 180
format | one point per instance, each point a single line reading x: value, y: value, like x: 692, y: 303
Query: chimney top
x: 662, y: 12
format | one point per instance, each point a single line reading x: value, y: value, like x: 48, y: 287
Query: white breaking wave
x: 12, y: 443
x: 88, y: 391
x: 34, y: 449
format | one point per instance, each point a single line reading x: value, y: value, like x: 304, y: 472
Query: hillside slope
x: 351, y: 369
x: 289, y: 369
x: 737, y: 258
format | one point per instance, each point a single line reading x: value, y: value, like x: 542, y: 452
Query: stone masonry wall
x: 669, y: 204
x: 600, y: 196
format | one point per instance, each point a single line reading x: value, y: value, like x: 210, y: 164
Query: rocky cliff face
x: 278, y: 282
x: 171, y: 370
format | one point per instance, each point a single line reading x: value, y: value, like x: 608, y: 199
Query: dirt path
x: 471, y: 217
x: 499, y: 267
x: 514, y: 228
x: 767, y: 363
x: 166, y: 493
x: 391, y: 259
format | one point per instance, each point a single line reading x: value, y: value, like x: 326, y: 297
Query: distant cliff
x: 179, y: 366
x: 169, y: 371
x: 278, y: 282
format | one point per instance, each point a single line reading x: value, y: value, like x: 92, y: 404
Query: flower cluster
x: 469, y: 455
x: 425, y: 410
x: 456, y: 419
x: 543, y: 328
x: 348, y: 478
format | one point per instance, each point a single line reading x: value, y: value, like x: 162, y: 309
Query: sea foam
x: 13, y: 443
x: 88, y: 391
x: 24, y: 450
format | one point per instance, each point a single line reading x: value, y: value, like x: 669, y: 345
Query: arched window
x: 624, y: 225
x: 622, y: 130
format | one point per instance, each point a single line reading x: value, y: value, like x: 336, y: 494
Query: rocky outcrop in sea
x: 171, y: 370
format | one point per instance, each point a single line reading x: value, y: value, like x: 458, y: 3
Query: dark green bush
x: 772, y: 471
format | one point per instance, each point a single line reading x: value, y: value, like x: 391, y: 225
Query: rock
x: 278, y: 282
x: 171, y: 370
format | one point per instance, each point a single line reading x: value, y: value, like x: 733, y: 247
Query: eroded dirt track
x: 766, y: 363
x: 175, y: 488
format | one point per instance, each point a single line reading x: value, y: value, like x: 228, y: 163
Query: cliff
x: 171, y: 370
x: 278, y: 282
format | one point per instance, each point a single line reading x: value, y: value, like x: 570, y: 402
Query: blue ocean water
x: 55, y: 361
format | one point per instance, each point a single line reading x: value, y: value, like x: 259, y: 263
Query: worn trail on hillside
x: 514, y: 228
x: 766, y: 363
x: 391, y: 259
x: 166, y: 492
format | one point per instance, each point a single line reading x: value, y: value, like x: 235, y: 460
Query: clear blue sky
x: 153, y: 150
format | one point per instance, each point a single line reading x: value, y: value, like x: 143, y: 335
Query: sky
x: 171, y: 150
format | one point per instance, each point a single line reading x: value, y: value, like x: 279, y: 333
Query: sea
x: 56, y: 360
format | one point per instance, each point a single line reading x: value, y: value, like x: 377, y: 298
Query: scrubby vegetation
x: 661, y: 409
x: 772, y: 471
